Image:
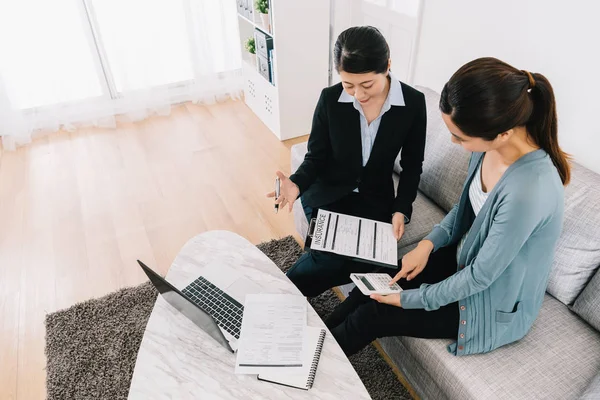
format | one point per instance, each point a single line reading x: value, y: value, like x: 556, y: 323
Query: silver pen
x: 277, y: 190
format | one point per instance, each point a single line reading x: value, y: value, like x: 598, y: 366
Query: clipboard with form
x: 359, y: 238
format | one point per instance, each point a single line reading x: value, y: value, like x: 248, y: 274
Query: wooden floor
x: 77, y: 209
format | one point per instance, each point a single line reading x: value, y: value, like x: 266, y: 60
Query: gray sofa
x: 560, y: 357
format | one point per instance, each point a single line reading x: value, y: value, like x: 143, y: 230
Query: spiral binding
x: 315, y: 362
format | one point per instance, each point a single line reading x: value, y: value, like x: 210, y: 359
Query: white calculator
x: 375, y: 284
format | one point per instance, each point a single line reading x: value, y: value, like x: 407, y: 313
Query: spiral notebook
x: 303, y: 379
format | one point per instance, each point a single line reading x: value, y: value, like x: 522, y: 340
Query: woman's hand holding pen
x: 288, y: 194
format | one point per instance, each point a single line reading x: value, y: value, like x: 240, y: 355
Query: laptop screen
x: 185, y: 306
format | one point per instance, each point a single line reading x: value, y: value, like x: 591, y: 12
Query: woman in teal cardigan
x: 480, y: 276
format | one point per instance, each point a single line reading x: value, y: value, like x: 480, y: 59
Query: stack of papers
x: 275, y: 342
x: 272, y: 335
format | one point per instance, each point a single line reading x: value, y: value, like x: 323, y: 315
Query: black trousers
x: 359, y: 320
x: 318, y: 271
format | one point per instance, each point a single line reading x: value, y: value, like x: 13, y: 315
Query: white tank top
x: 477, y: 197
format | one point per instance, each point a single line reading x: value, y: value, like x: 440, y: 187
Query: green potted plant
x: 250, y: 46
x: 262, y: 6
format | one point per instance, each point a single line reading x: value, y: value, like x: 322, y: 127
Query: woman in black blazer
x: 359, y: 127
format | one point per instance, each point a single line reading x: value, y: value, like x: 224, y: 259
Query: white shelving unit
x: 300, y: 32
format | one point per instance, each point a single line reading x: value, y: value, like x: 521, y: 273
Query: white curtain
x: 71, y: 63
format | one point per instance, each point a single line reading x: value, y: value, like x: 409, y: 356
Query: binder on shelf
x: 271, y: 69
x: 273, y: 64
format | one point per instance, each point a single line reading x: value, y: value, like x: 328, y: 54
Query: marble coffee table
x: 178, y: 360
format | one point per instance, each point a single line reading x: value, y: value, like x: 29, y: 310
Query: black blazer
x: 332, y: 167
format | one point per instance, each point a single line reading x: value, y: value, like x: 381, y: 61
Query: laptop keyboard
x: 222, y: 307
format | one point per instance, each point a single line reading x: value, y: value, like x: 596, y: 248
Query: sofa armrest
x: 298, y: 152
x: 297, y: 156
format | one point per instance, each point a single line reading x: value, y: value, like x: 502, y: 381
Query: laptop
x: 213, y: 301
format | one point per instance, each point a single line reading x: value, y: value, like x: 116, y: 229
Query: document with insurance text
x: 359, y: 238
x: 272, y: 334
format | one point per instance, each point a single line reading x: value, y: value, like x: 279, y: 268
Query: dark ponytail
x: 361, y: 49
x: 543, y: 125
x: 487, y: 97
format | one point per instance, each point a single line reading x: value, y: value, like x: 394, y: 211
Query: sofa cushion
x: 556, y: 360
x: 587, y: 305
x: 578, y: 249
x: 445, y: 166
x: 593, y: 390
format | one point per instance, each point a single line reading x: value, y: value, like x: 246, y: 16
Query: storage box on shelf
x: 246, y: 9
x: 264, y: 51
x: 292, y: 63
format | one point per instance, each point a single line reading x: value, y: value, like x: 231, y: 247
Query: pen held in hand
x: 277, y: 190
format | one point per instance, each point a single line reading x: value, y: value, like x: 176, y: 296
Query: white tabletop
x: 178, y: 360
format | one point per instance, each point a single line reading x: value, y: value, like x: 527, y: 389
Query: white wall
x: 398, y: 21
x: 560, y: 39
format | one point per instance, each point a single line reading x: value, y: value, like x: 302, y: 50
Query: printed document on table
x: 355, y: 237
x: 272, y: 334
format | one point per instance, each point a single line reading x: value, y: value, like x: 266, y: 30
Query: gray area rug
x: 91, y: 347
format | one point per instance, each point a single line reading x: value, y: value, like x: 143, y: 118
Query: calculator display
x: 366, y: 283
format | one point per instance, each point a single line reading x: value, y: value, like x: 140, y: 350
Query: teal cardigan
x: 506, y: 258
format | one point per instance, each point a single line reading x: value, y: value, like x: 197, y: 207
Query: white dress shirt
x: 368, y: 132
